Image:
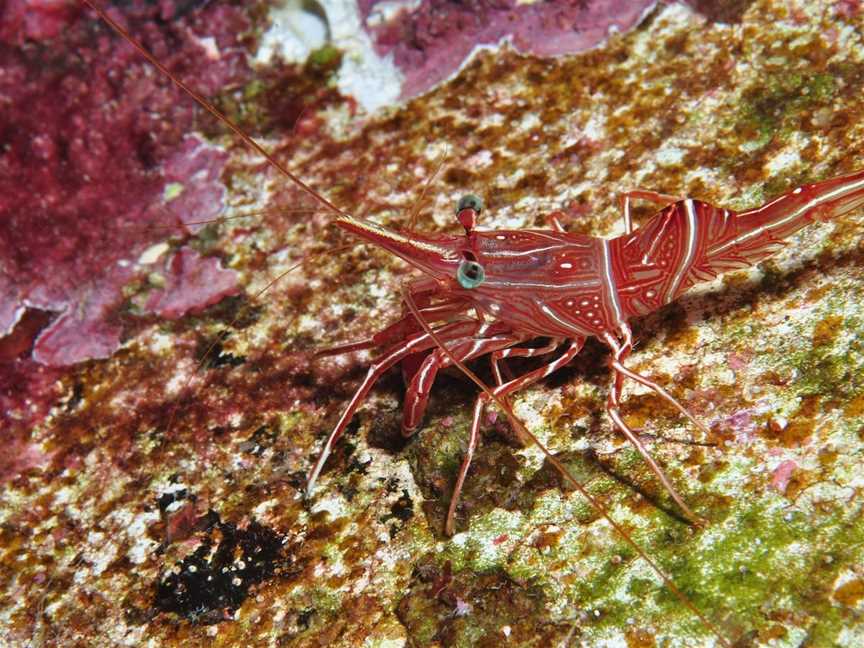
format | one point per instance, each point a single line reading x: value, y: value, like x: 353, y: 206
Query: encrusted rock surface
x: 150, y: 501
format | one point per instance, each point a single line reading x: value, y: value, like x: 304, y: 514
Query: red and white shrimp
x: 491, y: 292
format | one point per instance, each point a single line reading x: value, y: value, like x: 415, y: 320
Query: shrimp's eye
x: 467, y: 211
x: 469, y: 201
x: 470, y: 274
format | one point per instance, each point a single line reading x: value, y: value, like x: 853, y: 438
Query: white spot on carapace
x: 566, y: 266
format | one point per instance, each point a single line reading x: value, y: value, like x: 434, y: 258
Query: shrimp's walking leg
x: 554, y: 220
x: 417, y: 395
x: 520, y: 352
x: 613, y: 405
x: 626, y: 199
x: 622, y: 352
x: 497, y: 361
x: 347, y: 347
x: 502, y: 391
x: 417, y: 342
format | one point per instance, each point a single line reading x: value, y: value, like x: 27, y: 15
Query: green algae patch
x: 770, y: 560
x: 325, y: 59
x: 831, y: 364
x: 776, y: 105
x: 172, y: 191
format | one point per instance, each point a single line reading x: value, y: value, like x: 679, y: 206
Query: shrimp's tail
x: 748, y: 237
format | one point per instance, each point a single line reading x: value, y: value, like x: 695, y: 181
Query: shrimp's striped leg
x: 413, y: 344
x: 620, y: 368
x: 347, y: 347
x: 519, y: 352
x: 417, y: 395
x: 613, y: 405
x: 502, y: 391
x: 622, y: 352
x: 554, y: 220
x: 626, y: 199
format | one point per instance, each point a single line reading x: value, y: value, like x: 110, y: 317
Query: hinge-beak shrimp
x: 493, y: 293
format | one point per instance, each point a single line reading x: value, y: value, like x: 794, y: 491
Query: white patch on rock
x: 788, y: 158
x: 384, y: 12
x: 136, y: 531
x: 296, y: 32
x: 595, y: 128
x: 336, y: 506
x: 153, y: 253
x: 669, y: 155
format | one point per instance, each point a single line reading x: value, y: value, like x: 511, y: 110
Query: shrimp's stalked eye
x: 467, y: 210
x: 469, y: 201
x: 470, y: 274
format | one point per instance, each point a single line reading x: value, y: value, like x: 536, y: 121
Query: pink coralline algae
x: 738, y: 361
x: 36, y: 20
x: 741, y: 424
x: 192, y: 283
x: 782, y: 474
x: 430, y: 41
x: 19, y: 456
x: 96, y: 166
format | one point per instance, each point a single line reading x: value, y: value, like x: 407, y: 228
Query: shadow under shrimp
x: 647, y: 491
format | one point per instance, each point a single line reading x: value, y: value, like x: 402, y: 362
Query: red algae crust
x: 93, y: 144
x: 429, y: 41
x: 156, y: 497
x: 97, y: 166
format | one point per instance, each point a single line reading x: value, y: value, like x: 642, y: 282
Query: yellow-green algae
x: 728, y: 113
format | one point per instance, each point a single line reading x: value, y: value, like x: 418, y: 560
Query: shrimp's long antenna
x: 415, y: 210
x: 211, y: 108
x: 561, y: 468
